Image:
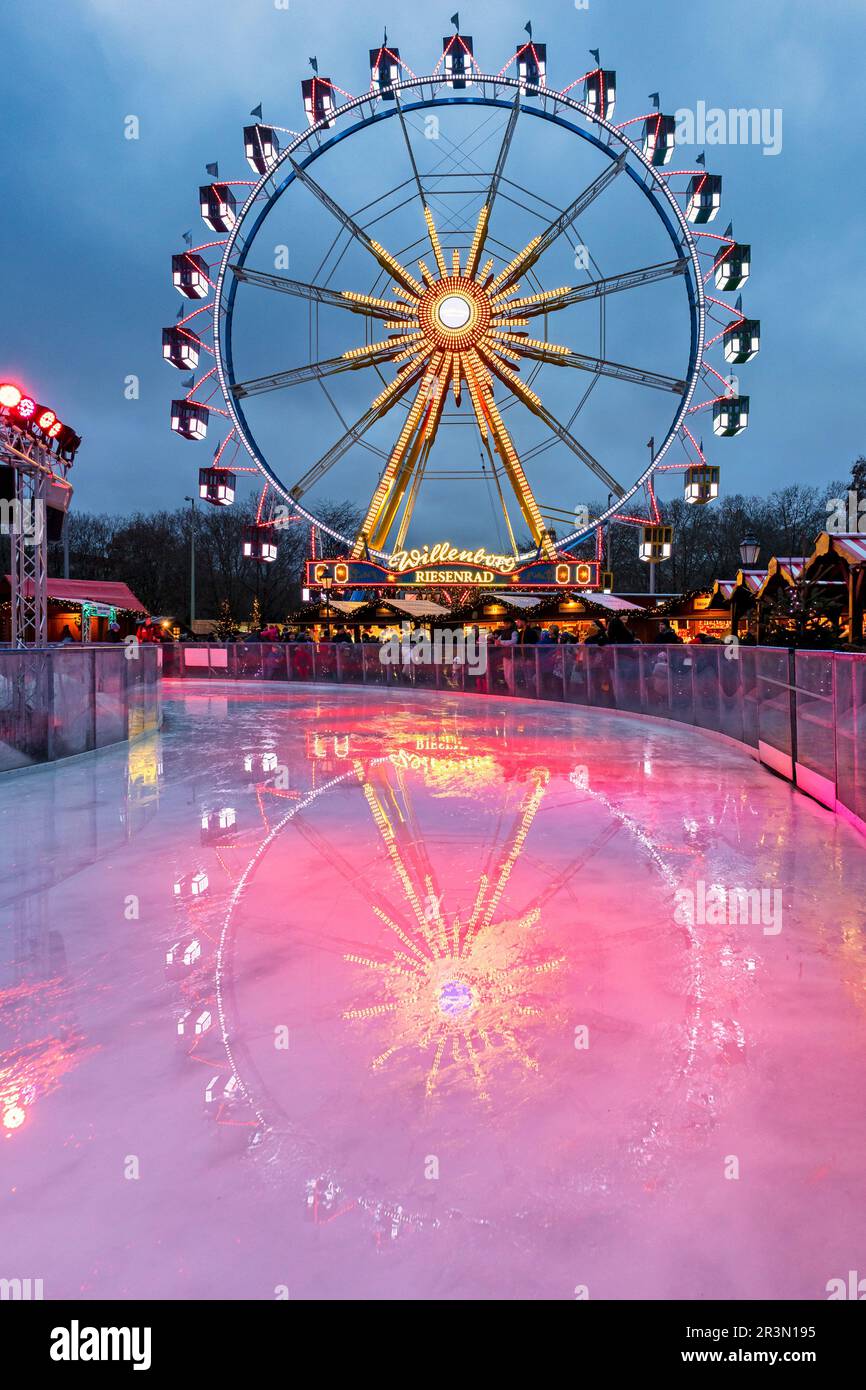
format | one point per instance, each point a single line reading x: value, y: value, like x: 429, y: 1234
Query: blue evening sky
x: 91, y: 218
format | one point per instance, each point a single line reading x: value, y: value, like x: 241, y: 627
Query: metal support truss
x: 25, y: 520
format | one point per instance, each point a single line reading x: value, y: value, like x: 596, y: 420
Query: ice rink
x: 328, y: 993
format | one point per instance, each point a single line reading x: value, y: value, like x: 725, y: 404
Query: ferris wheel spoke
x: 388, y: 262
x: 536, y: 248
x: 483, y: 223
x: 340, y: 299
x: 421, y: 423
x: 490, y: 423
x: 582, y: 453
x: 599, y: 366
x: 313, y: 371
x: 355, y: 433
x: 550, y: 301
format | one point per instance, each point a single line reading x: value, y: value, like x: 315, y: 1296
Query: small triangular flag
x: 729, y: 230
x: 181, y: 311
x: 385, y: 40
x: 651, y: 443
x: 702, y: 160
x: 314, y: 64
x: 257, y: 112
x: 213, y: 170
x: 190, y: 381
x: 187, y: 236
x: 528, y: 28
x: 654, y: 98
x: 596, y: 55
x: 739, y: 304
x: 455, y: 20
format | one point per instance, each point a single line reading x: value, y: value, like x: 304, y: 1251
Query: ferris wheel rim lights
x: 444, y: 312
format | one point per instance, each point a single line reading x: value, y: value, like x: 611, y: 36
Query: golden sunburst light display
x: 456, y: 328
x: 460, y: 994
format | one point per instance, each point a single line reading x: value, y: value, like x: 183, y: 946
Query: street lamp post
x: 326, y: 585
x: 750, y: 549
x: 191, y: 501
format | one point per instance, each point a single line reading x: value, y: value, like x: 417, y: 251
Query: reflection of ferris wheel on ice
x: 457, y: 319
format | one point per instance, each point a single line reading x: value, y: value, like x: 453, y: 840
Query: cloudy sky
x: 91, y: 218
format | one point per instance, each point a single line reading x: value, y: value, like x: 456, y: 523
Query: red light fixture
x: 10, y: 395
x: 45, y: 419
x: 25, y: 408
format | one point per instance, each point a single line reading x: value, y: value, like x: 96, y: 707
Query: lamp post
x: 326, y: 583
x: 191, y: 501
x: 750, y: 549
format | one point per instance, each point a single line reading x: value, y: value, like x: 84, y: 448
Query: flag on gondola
x: 729, y: 230
x: 455, y: 20
x: 213, y: 170
x: 257, y: 112
x: 187, y: 236
x: 528, y: 28
x: 596, y: 55
x: 739, y: 304
x: 189, y: 382
x: 314, y: 64
x: 654, y: 98
x: 702, y: 160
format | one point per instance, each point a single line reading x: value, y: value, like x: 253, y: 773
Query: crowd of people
x: 520, y: 632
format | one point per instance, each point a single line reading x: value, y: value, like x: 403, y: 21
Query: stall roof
x: 612, y: 602
x: 106, y: 591
x: 419, y: 607
x: 518, y: 600
x: 849, y: 546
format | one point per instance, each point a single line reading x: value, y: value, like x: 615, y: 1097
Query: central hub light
x: 454, y: 312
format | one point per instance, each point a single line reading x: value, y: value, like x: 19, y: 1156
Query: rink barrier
x: 803, y: 713
x: 56, y: 702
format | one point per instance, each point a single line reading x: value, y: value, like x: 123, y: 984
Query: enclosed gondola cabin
x: 532, y: 64
x: 704, y: 197
x: 217, y: 486
x: 732, y: 265
x: 599, y: 92
x: 260, y: 543
x: 656, y: 543
x: 457, y: 60
x: 218, y: 206
x: 318, y: 94
x: 261, y: 147
x: 730, y: 415
x: 189, y: 275
x: 189, y: 419
x: 702, y: 483
x: 181, y: 347
x: 743, y: 340
x: 384, y: 71
x: 659, y: 139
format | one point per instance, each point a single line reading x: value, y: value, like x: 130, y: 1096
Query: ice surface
x: 435, y: 1026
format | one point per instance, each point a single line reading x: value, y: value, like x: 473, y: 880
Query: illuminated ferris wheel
x: 434, y: 216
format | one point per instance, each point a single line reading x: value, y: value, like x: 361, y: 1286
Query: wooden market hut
x: 840, y: 557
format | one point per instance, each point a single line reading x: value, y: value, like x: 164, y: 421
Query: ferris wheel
x: 433, y: 216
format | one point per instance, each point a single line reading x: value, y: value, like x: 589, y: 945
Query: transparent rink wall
x: 802, y: 713
x: 59, y: 701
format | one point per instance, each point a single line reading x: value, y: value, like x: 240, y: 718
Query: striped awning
x: 850, y: 546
